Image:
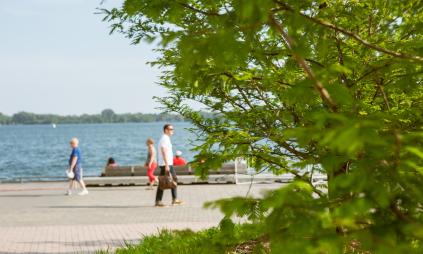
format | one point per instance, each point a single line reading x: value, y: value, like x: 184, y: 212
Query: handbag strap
x: 172, y: 177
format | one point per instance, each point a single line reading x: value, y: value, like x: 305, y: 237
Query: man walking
x: 75, y: 166
x: 166, y: 163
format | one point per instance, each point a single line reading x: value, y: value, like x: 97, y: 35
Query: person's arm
x: 164, y: 153
x: 152, y: 154
x: 73, y: 163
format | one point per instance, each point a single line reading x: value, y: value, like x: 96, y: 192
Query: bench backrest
x: 183, y: 170
x: 118, y: 171
x: 227, y: 168
x: 140, y: 171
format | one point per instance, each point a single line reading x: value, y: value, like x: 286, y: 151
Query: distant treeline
x: 106, y: 116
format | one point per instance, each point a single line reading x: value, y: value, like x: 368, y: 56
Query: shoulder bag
x: 166, y: 181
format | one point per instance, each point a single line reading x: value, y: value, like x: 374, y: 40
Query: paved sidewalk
x: 38, y: 218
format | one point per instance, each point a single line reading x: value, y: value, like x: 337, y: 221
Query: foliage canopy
x: 335, y: 86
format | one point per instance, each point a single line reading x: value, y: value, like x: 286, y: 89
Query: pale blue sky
x: 56, y: 56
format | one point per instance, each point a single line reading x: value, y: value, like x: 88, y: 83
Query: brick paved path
x: 38, y: 218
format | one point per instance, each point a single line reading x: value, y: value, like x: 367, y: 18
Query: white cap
x: 178, y: 153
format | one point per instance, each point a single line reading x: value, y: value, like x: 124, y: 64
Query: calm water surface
x: 38, y: 152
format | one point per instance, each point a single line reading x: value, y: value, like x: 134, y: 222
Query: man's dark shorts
x: 78, y: 173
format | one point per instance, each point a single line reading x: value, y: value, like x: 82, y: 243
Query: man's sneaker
x: 177, y: 202
x: 68, y: 193
x: 83, y: 193
x: 160, y: 204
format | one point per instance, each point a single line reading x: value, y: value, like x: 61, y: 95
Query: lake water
x: 41, y: 152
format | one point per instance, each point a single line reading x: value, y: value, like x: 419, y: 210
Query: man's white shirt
x: 167, y: 145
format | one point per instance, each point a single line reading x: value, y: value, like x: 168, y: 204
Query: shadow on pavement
x: 29, y: 195
x: 97, y: 206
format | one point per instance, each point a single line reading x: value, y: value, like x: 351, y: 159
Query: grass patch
x: 238, y: 239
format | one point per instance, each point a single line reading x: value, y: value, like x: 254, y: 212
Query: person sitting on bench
x: 178, y: 160
x: 111, y: 163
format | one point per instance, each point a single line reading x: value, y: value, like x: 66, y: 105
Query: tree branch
x: 372, y: 70
x: 306, y: 59
x: 198, y: 10
x: 324, y: 94
x: 385, y: 98
x: 294, y: 172
x: 362, y: 41
x: 356, y: 37
x: 342, y: 76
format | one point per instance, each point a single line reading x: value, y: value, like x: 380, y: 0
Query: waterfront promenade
x: 39, y: 218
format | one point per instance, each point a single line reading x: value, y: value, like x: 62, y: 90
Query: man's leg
x: 175, y: 200
x: 159, y: 193
x: 84, y: 190
x: 78, y: 177
x: 82, y: 184
x: 70, y: 187
x: 70, y: 184
x: 174, y: 191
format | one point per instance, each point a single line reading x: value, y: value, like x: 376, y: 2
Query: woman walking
x: 151, y: 162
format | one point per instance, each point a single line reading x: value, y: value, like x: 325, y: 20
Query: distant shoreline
x: 106, y: 116
x: 57, y: 124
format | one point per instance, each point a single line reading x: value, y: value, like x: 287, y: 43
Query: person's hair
x: 74, y: 141
x: 110, y: 161
x: 150, y: 141
x: 166, y: 126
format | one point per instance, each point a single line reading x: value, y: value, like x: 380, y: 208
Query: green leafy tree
x: 302, y: 87
x: 108, y: 115
x: 24, y: 118
x: 4, y: 119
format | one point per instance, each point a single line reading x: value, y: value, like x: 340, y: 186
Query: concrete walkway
x: 39, y: 218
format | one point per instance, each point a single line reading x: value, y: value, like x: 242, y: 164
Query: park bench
x: 138, y: 170
x: 137, y: 175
